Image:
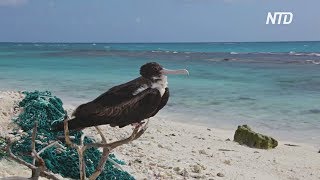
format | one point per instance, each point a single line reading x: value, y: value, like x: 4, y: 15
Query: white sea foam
x: 314, y: 54
x: 293, y: 53
x: 304, y: 54
x: 298, y: 54
x: 313, y: 61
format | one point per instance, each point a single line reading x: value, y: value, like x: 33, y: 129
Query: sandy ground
x: 8, y: 101
x: 173, y: 150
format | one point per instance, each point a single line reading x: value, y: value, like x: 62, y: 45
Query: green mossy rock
x: 244, y: 135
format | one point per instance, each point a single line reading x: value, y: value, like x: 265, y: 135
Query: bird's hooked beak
x: 178, y: 71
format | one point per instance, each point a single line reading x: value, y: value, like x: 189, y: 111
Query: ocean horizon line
x: 186, y: 42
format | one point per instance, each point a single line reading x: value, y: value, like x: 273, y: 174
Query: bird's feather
x: 119, y: 106
x: 117, y: 113
x: 142, y: 106
x: 163, y: 102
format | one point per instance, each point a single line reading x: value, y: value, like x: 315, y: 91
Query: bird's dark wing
x: 163, y: 102
x: 112, y: 97
x: 136, y: 109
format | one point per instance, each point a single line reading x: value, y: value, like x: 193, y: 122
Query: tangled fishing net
x: 47, y: 109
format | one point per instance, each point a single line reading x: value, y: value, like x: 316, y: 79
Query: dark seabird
x: 128, y: 103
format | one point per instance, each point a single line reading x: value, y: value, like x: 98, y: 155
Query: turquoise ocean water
x: 274, y: 87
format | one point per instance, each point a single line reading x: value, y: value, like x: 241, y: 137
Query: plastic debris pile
x: 2, y: 147
x: 47, y: 110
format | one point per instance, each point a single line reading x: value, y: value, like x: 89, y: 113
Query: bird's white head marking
x: 161, y: 84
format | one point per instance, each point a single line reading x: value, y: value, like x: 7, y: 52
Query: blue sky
x: 155, y: 20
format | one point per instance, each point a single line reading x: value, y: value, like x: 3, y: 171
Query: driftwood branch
x: 38, y: 165
x: 55, y: 143
x: 107, y: 148
x: 104, y: 156
x: 80, y: 149
x: 40, y: 162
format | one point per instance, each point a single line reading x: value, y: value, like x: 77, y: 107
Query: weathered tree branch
x: 80, y: 148
x: 107, y: 147
x: 103, y: 159
x: 55, y: 143
x: 38, y: 169
x: 41, y: 165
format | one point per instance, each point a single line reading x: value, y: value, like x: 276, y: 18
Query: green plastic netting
x: 2, y: 147
x: 47, y: 109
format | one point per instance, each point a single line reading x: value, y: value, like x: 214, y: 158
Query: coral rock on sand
x: 244, y: 135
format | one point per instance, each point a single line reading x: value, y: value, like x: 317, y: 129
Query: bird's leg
x: 144, y: 128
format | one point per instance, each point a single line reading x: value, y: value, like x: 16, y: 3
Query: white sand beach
x: 175, y: 150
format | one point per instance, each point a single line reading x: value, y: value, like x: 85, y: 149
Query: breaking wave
x: 313, y: 61
x: 305, y: 54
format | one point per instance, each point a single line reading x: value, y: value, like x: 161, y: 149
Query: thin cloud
x: 13, y: 2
